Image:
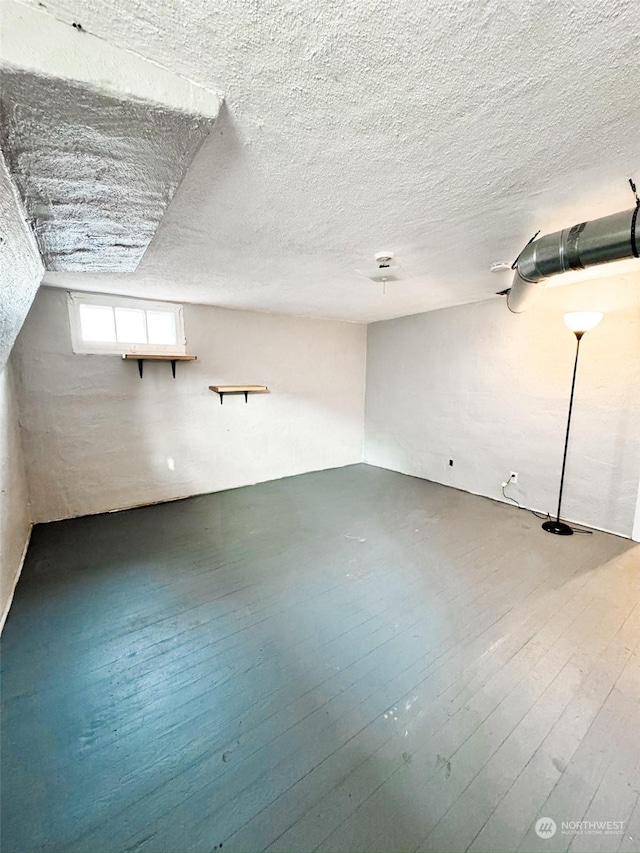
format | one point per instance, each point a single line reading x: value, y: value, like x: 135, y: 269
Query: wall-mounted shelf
x: 238, y: 389
x: 142, y: 357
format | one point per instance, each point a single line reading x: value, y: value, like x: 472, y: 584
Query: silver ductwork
x: 612, y: 238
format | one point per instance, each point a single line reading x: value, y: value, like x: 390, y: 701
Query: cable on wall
x: 546, y: 516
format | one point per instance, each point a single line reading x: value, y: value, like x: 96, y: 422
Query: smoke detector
x: 500, y: 266
x: 383, y: 270
x: 384, y: 259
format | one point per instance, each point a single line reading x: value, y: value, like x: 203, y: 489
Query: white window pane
x: 130, y: 326
x: 161, y: 326
x: 96, y: 323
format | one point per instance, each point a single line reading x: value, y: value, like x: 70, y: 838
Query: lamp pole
x: 579, y: 323
x: 558, y: 526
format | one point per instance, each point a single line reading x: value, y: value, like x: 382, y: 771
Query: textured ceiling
x: 447, y: 132
x: 96, y: 173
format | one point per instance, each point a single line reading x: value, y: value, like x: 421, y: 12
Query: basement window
x: 114, y: 325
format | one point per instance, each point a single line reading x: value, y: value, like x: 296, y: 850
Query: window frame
x: 82, y: 347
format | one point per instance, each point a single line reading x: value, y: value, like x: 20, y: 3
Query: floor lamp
x: 579, y: 322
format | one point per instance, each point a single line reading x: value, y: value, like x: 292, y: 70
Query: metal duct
x: 612, y: 238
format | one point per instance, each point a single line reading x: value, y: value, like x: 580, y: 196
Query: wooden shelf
x: 238, y: 389
x: 142, y: 357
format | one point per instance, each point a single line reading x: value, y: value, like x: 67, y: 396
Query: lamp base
x: 558, y: 527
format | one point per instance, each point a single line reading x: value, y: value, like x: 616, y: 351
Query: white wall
x: 15, y: 519
x: 490, y: 390
x: 20, y: 274
x: 636, y: 523
x: 97, y: 438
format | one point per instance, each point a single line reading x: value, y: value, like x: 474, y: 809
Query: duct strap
x: 634, y: 219
x: 515, y: 263
x: 572, y: 252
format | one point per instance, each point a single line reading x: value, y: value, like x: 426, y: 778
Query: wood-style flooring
x: 346, y: 660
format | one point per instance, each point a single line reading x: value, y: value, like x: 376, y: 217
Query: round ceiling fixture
x: 500, y: 266
x: 384, y: 259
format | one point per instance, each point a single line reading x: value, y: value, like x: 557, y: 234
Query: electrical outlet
x: 513, y: 477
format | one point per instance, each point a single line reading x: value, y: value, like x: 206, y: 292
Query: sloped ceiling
x: 20, y: 264
x: 447, y: 132
x: 96, y: 173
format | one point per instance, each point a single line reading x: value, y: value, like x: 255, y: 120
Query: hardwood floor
x: 346, y: 660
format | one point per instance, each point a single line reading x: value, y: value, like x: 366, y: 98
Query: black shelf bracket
x: 141, y: 367
x: 245, y: 390
x: 222, y: 393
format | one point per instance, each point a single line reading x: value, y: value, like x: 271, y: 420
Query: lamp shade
x: 582, y: 321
